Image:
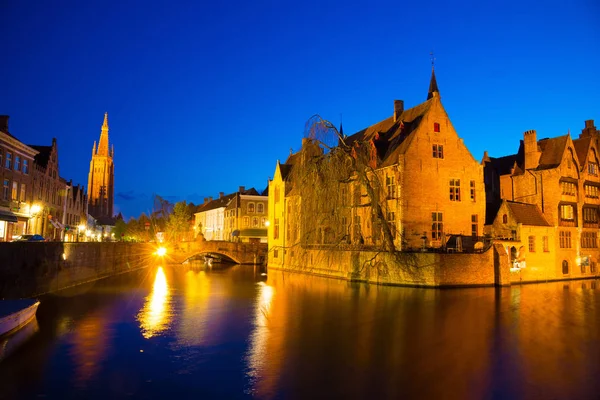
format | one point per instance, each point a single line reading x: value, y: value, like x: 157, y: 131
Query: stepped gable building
x: 433, y: 185
x: 101, y: 179
x: 560, y: 176
x: 16, y: 176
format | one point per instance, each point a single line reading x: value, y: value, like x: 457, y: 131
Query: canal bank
x: 32, y: 269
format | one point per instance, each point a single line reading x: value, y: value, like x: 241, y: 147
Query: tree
x: 120, y: 229
x: 178, y: 224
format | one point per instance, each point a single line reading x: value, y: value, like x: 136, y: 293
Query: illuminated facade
x: 560, y: 176
x: 246, y: 217
x: 101, y: 177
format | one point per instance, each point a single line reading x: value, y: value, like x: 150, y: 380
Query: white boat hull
x: 16, y: 313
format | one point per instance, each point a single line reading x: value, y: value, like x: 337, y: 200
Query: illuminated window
x: 22, y: 196
x: 474, y: 225
x: 532, y: 244
x: 438, y: 151
x: 15, y: 187
x: 545, y: 243
x: 567, y: 215
x: 17, y: 163
x: 568, y: 188
x: 390, y: 182
x: 454, y: 189
x: 260, y: 208
x: 437, y: 225
x: 565, y: 240
x: 25, y: 166
x: 592, y: 168
x: 436, y: 127
x: 250, y: 208
x: 8, y: 163
x: 591, y: 191
x: 472, y: 186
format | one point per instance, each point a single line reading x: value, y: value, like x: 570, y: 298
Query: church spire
x: 103, y: 143
x: 433, y: 88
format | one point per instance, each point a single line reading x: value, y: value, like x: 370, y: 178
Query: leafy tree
x: 120, y: 229
x: 178, y: 225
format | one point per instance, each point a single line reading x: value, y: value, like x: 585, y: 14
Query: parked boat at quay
x: 15, y: 314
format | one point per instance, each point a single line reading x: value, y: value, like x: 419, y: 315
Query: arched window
x: 565, y: 267
x: 260, y: 208
x: 250, y: 208
x: 505, y: 219
x: 254, y: 222
x: 246, y: 221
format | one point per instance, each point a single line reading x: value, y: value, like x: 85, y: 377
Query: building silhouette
x: 101, y: 177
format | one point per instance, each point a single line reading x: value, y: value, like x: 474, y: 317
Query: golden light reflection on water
x: 155, y: 315
x: 260, y: 335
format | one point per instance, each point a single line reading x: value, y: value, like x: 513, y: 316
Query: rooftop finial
x: 432, y: 59
x: 433, y: 88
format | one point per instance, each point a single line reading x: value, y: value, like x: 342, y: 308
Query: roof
x: 224, y: 201
x: 582, y: 148
x: 503, y: 165
x: 433, y: 87
x: 552, y: 151
x: 527, y: 214
x: 43, y: 156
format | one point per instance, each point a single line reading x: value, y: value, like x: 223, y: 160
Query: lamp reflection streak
x: 155, y: 315
x: 257, y: 350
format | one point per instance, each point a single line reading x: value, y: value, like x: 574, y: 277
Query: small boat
x: 16, y: 313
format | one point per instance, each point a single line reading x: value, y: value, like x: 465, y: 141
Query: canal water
x: 175, y: 332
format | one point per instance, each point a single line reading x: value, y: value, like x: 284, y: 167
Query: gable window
x: 568, y: 188
x: 592, y: 168
x: 565, y: 240
x: 474, y: 228
x: 390, y: 182
x: 591, y: 191
x: 545, y: 243
x: 532, y: 244
x: 438, y: 151
x: 437, y: 225
x: 454, y: 189
x: 589, y: 240
x: 250, y: 208
x: 505, y: 219
x: 8, y: 163
x: 260, y: 208
x: 567, y: 215
x: 436, y: 127
x: 472, y: 186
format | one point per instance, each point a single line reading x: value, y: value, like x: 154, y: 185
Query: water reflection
x: 257, y: 354
x: 155, y: 315
x: 10, y: 344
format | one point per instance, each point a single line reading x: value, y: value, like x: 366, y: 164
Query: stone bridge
x: 241, y: 253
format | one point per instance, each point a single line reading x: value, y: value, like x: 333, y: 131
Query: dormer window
x: 593, y: 168
x: 436, y: 127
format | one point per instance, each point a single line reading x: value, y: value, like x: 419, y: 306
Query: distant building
x: 560, y: 177
x: 210, y: 218
x: 101, y: 178
x: 16, y: 174
x: 246, y: 216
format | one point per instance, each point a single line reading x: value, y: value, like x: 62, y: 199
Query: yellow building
x: 101, y: 177
x: 246, y: 217
x: 426, y: 183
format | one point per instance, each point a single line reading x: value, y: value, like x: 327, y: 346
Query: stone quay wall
x: 31, y: 269
x: 407, y: 269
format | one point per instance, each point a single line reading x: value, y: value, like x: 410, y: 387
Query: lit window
x: 532, y: 244
x: 254, y: 222
x: 437, y: 225
x: 454, y: 189
x: 436, y: 127
x: 567, y: 215
x: 568, y: 188
x: 22, y: 196
x: 591, y: 191
x: 15, y: 187
x: 438, y: 151
x: 246, y: 221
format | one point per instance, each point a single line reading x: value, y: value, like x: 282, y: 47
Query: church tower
x: 101, y: 177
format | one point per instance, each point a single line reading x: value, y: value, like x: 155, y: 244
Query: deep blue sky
x: 205, y: 96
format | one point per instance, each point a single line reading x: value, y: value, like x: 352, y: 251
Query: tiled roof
x: 527, y: 214
x: 582, y: 147
x: 552, y: 151
x: 224, y: 201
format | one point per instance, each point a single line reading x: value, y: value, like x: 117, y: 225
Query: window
x: 590, y: 216
x: 276, y: 229
x: 565, y: 240
x: 505, y: 219
x: 246, y: 222
x: 472, y: 185
x: 591, y: 191
x: 436, y: 127
x: 565, y: 267
x: 8, y: 163
x: 545, y: 243
x: 22, y: 196
x: 593, y: 267
x: 592, y: 168
x: 391, y: 220
x: 5, y: 189
x: 532, y: 244
x: 276, y: 190
x: 15, y: 188
x: 276, y: 253
x: 589, y: 240
x: 250, y: 208
x: 567, y: 215
x: 568, y: 188
x: 474, y: 228
x: 437, y: 225
x: 390, y: 182
x: 454, y: 189
x: 260, y: 208
x: 25, y: 166
x: 438, y: 151
x: 254, y: 222
x: 17, y: 163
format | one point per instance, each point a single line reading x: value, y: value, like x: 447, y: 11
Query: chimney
x: 589, y: 129
x: 241, y: 189
x: 4, y: 123
x: 221, y: 194
x: 209, y: 199
x: 205, y: 200
x: 398, y: 109
x: 532, y: 155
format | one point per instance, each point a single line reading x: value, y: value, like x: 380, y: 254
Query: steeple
x: 433, y: 88
x: 94, y: 149
x: 103, y: 143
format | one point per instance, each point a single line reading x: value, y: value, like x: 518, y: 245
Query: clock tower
x: 101, y: 177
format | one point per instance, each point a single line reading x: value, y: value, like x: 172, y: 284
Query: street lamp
x: 80, y: 228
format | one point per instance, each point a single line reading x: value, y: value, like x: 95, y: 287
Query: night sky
x: 206, y: 96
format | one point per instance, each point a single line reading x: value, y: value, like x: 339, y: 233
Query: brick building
x: 560, y: 176
x: 430, y: 185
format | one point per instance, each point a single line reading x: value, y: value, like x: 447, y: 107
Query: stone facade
x: 246, y: 217
x: 101, y: 177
